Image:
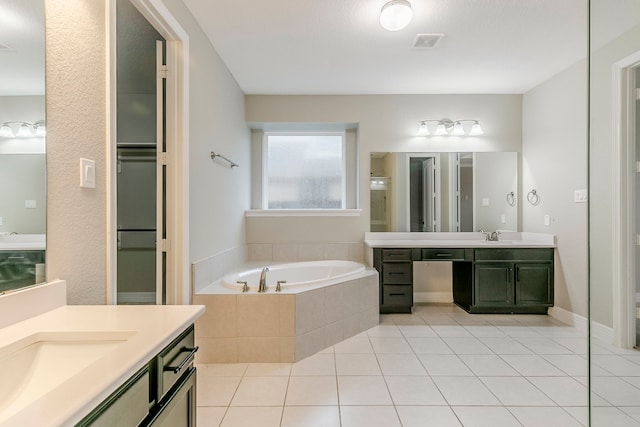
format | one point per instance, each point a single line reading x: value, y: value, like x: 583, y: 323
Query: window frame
x: 265, y: 169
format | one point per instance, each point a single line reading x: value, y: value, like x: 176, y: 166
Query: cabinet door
x: 534, y: 284
x: 493, y: 284
x: 178, y: 408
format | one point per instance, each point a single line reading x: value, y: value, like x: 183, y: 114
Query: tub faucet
x: 262, y: 287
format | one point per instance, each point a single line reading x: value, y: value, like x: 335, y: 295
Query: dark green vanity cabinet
x: 485, y: 280
x: 18, y: 268
x: 395, y: 271
x: 161, y: 394
x: 518, y: 280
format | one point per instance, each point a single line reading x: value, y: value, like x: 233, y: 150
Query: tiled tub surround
x: 284, y: 327
x: 208, y: 270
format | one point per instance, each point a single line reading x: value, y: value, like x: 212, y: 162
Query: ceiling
x: 339, y: 47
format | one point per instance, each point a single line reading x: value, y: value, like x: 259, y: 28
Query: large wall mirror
x: 22, y: 144
x: 444, y: 191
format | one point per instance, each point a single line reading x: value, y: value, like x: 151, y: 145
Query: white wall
x: 385, y: 123
x: 554, y: 151
x: 76, y: 127
x: 76, y: 118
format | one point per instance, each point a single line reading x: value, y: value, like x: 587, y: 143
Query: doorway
x: 172, y: 269
x: 424, y: 193
x: 140, y: 179
x: 626, y: 327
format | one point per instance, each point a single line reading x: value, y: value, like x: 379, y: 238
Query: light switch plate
x: 30, y: 204
x: 485, y: 202
x: 87, y: 173
x: 547, y: 220
x: 503, y: 219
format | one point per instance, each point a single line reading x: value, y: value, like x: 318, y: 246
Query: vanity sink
x: 38, y: 363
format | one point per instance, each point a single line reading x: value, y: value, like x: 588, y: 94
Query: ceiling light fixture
x: 23, y: 129
x: 450, y: 127
x: 395, y: 15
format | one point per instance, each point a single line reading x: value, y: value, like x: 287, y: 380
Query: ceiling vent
x: 427, y: 40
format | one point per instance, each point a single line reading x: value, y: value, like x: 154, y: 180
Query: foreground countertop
x: 458, y: 240
x: 150, y: 329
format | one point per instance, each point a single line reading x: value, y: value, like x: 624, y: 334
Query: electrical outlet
x: 30, y: 204
x: 547, y: 220
x: 503, y: 219
x: 580, y: 196
x: 485, y: 202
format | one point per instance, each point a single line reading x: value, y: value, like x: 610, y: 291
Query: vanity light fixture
x: 395, y: 15
x: 23, y: 129
x: 450, y: 127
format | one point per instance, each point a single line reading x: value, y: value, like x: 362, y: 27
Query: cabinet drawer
x: 396, y: 255
x: 399, y: 295
x: 515, y: 254
x: 397, y: 273
x: 175, y: 360
x: 440, y: 254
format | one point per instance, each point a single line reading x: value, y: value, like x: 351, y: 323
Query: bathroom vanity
x: 95, y: 365
x: 514, y: 275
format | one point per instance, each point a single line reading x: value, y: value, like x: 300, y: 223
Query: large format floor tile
x: 439, y: 366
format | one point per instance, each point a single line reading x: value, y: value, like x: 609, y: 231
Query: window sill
x: 301, y: 212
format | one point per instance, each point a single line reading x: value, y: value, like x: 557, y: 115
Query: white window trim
x: 302, y: 212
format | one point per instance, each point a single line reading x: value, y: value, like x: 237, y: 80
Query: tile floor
x: 436, y: 367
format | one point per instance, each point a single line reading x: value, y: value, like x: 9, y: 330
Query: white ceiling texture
x: 339, y: 47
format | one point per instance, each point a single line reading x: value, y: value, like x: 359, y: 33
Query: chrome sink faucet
x: 489, y: 236
x: 262, y: 287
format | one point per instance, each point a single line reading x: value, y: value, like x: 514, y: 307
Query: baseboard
x: 568, y: 317
x: 602, y: 332
x: 136, y: 297
x: 434, y: 297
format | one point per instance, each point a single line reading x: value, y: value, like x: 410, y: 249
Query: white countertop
x: 151, y: 328
x: 22, y: 242
x: 458, y: 240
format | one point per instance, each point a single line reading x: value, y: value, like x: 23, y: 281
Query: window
x: 304, y: 171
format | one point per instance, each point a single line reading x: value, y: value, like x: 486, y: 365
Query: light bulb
x: 25, y: 131
x: 423, y: 129
x: 395, y: 15
x: 6, y: 131
x: 476, y: 129
x: 458, y: 130
x: 441, y: 129
x: 41, y: 130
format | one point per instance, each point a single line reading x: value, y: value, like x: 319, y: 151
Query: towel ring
x: 533, y: 197
x: 511, y: 199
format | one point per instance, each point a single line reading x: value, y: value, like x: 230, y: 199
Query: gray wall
x: 22, y: 177
x: 385, y: 123
x: 602, y: 164
x: 554, y: 151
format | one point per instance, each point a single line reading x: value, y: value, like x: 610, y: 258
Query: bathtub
x: 322, y: 303
x: 297, y: 275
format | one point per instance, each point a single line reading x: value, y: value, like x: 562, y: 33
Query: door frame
x: 624, y: 200
x: 178, y: 289
x: 438, y: 187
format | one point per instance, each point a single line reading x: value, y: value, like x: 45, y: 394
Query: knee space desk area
x: 511, y: 275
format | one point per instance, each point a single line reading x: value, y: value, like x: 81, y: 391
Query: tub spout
x: 262, y: 287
